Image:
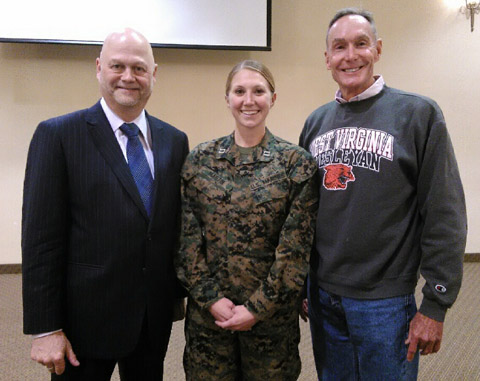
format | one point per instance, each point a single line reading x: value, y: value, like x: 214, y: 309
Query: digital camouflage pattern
x: 267, y: 352
x: 247, y: 229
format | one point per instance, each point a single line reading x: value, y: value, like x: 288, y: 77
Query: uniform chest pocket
x: 270, y: 188
x: 211, y: 186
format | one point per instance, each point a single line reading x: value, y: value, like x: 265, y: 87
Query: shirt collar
x: 370, y: 92
x: 261, y: 152
x: 115, y: 121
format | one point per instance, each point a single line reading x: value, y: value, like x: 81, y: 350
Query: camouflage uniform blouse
x: 247, y: 223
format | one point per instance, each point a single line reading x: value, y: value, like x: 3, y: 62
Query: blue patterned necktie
x: 137, y: 161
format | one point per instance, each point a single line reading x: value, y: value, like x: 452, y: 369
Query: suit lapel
x: 161, y: 154
x: 107, y: 144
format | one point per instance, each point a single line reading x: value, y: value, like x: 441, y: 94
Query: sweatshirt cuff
x: 433, y: 310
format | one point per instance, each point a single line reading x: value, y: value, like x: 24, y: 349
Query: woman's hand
x: 242, y: 320
x: 222, y: 310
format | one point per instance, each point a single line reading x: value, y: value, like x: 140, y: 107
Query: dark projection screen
x: 209, y: 24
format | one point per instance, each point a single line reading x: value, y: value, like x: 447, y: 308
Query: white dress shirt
x: 145, y: 136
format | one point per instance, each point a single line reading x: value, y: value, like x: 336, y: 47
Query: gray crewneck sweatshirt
x: 391, y: 200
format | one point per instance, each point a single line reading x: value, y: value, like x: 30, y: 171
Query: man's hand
x: 51, y: 351
x: 222, y: 310
x: 242, y: 320
x: 425, y: 335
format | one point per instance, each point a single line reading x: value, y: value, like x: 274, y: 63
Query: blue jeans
x: 359, y: 339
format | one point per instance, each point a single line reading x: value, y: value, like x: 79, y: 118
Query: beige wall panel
x: 428, y: 49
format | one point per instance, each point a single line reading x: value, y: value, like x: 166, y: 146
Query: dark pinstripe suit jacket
x: 93, y: 262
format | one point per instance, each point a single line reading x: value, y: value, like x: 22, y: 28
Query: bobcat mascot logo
x: 337, y: 176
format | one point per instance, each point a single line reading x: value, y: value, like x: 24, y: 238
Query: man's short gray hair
x: 354, y: 11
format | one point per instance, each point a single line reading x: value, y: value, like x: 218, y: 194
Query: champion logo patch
x: 441, y: 288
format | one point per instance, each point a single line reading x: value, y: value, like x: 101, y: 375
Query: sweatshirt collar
x: 370, y: 92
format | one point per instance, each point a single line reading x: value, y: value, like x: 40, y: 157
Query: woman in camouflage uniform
x: 249, y: 204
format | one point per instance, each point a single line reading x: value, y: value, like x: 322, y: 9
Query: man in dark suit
x: 97, y: 240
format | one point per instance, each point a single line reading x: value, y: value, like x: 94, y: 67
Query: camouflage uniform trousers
x: 269, y: 351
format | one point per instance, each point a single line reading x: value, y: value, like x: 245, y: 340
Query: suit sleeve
x: 44, y: 232
x: 180, y: 291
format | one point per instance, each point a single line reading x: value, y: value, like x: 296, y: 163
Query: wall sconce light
x: 471, y: 8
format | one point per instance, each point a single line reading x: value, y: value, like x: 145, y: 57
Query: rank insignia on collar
x: 222, y: 150
x: 266, y: 153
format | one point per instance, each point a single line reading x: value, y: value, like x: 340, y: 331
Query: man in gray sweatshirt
x: 391, y: 207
